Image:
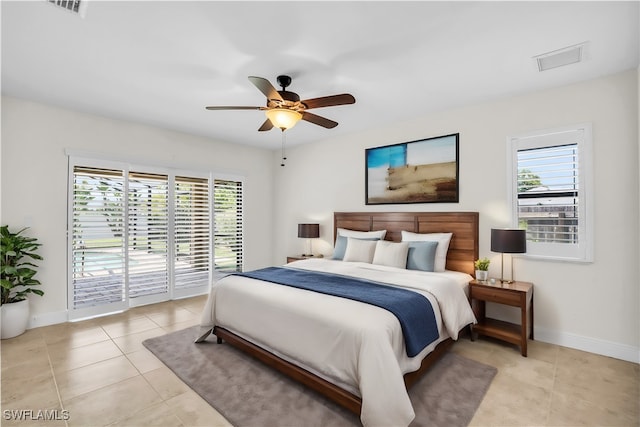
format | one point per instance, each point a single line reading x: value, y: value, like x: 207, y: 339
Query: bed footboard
x: 340, y: 396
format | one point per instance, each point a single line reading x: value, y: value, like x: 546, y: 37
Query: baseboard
x: 592, y: 345
x: 47, y: 319
x: 53, y: 318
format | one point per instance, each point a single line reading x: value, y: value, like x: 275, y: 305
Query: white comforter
x: 357, y: 346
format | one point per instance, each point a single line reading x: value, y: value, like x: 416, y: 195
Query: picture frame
x: 420, y: 171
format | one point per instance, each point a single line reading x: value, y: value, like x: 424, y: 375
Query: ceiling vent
x: 75, y: 6
x: 561, y: 57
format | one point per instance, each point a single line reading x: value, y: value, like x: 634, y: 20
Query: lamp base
x: 502, y: 279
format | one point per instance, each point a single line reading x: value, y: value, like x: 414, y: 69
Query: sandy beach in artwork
x: 417, y: 183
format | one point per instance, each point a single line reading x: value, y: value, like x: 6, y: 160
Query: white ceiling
x: 161, y: 62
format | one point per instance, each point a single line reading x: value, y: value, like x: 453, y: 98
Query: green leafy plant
x: 482, y: 264
x: 16, y: 272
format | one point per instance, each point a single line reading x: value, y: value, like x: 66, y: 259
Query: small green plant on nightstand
x: 482, y: 267
x: 482, y: 264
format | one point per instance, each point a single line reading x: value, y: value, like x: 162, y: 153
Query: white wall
x: 590, y: 306
x: 34, y: 180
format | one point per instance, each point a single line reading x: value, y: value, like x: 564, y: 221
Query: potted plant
x: 16, y: 277
x: 482, y: 268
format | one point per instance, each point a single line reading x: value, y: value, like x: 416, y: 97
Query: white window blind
x: 148, y: 234
x: 143, y: 234
x: 97, y: 237
x: 192, y: 235
x: 551, y: 173
x: 228, y: 217
x: 548, y: 201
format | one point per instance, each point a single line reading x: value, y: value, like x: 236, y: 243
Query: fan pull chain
x: 284, y: 140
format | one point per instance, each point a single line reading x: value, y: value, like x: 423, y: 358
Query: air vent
x: 561, y: 57
x: 70, y: 5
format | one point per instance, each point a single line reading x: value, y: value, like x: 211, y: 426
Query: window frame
x: 583, y: 250
x: 122, y: 304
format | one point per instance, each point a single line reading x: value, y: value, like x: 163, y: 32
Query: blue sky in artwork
x: 440, y: 150
x: 391, y: 156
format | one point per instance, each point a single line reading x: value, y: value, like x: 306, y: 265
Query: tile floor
x: 97, y: 373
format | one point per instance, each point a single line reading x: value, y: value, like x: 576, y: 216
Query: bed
x: 355, y: 354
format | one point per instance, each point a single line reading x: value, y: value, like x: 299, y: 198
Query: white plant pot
x: 14, y: 318
x: 482, y: 275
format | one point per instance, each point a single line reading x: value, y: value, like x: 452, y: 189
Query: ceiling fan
x: 284, y: 108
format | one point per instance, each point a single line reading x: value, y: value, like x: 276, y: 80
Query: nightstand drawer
x: 499, y: 295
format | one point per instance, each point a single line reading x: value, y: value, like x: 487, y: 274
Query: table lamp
x: 508, y: 241
x: 309, y: 231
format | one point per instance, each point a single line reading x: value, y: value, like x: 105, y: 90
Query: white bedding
x: 354, y: 345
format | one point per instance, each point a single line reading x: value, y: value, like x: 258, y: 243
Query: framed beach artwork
x: 422, y: 171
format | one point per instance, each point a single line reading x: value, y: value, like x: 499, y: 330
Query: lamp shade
x: 309, y: 231
x: 508, y: 240
x: 283, y: 118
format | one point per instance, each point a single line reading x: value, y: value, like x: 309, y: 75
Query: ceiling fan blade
x: 231, y: 107
x: 328, y: 101
x: 319, y: 120
x: 267, y: 125
x: 265, y: 87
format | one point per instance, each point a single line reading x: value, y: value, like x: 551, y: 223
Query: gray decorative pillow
x: 443, y: 240
x: 422, y: 255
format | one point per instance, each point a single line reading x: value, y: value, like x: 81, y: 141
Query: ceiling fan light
x: 283, y: 118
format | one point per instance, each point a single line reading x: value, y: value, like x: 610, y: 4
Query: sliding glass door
x: 139, y: 235
x: 97, y: 241
x: 148, y: 237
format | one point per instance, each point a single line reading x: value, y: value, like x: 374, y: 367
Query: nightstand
x: 297, y: 258
x: 516, y: 294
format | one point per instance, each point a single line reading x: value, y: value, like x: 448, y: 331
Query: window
x: 143, y: 234
x: 550, y: 183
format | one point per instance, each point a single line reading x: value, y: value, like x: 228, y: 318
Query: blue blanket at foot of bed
x: 412, y: 309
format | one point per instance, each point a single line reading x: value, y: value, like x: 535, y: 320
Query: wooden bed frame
x: 463, y: 251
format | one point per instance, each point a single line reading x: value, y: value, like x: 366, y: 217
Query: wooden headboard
x: 463, y: 249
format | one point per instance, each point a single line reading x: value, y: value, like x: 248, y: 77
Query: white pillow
x: 443, y: 240
x: 391, y: 254
x: 359, y: 250
x: 362, y: 234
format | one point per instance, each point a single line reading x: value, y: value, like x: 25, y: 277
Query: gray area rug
x: 250, y: 394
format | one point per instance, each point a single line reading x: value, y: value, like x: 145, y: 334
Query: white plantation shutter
x: 192, y: 235
x: 550, y: 192
x: 143, y: 234
x: 148, y: 234
x: 549, y: 211
x: 228, y: 225
x: 97, y: 235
